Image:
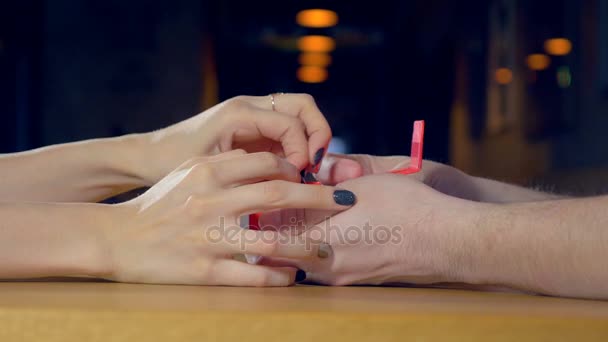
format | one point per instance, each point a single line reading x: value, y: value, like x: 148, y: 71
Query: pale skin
x: 456, y: 229
x: 234, y: 159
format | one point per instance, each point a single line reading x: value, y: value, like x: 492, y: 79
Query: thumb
x: 337, y: 168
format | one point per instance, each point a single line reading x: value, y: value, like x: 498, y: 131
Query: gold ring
x: 272, y: 97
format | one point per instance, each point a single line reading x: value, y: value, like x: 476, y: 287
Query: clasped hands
x: 241, y: 157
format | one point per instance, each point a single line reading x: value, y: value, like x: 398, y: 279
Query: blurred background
x: 510, y: 89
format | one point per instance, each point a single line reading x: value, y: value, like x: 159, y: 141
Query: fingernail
x: 324, y: 251
x: 302, y: 175
x: 300, y: 276
x: 309, y: 177
x: 344, y: 197
x: 317, y: 160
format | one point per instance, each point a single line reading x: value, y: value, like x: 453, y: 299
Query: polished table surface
x: 100, y: 311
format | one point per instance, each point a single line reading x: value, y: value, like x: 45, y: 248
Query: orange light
x: 538, y: 61
x: 315, y: 59
x: 558, y: 46
x: 312, y: 74
x: 317, y: 18
x: 503, y: 76
x: 316, y: 44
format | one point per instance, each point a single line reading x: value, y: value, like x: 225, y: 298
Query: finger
x: 283, y: 262
x: 339, y: 168
x: 270, y: 244
x: 368, y: 164
x: 317, y: 127
x: 304, y: 107
x: 254, y: 167
x: 287, y: 130
x: 236, y: 273
x: 295, y: 220
x: 277, y: 194
x: 315, y: 272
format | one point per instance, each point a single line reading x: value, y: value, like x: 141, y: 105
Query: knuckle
x: 307, y: 97
x: 270, y: 161
x: 274, y: 192
x: 203, y: 171
x: 295, y: 123
x: 237, y: 104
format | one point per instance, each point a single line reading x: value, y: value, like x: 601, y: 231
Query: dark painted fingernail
x: 309, y: 177
x: 344, y: 197
x: 300, y: 276
x: 319, y: 156
x: 302, y: 175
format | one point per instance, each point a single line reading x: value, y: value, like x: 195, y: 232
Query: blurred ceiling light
x: 316, y: 44
x: 558, y: 46
x: 503, y: 76
x: 538, y: 61
x: 315, y: 59
x: 312, y: 74
x: 317, y: 18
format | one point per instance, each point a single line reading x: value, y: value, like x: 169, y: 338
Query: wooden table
x: 94, y: 311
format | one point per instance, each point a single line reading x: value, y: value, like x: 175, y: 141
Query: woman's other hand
x: 293, y: 128
x: 185, y: 229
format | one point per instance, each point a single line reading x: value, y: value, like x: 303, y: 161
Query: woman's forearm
x: 85, y: 171
x: 45, y: 239
x: 552, y: 247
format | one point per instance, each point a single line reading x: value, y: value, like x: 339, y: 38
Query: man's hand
x: 446, y: 179
x: 400, y: 231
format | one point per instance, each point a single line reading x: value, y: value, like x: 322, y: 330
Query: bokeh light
x: 538, y: 61
x: 315, y: 59
x: 317, y: 18
x: 558, y: 46
x: 503, y: 76
x: 316, y: 43
x: 312, y: 74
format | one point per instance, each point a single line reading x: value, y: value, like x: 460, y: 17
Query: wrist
x: 160, y: 152
x: 88, y: 250
x: 91, y: 252
x: 131, y: 158
x: 111, y: 219
x: 493, y: 252
x: 465, y: 246
x: 450, y: 252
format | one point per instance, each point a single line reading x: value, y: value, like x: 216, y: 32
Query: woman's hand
x: 400, y: 231
x: 185, y: 229
x: 294, y: 129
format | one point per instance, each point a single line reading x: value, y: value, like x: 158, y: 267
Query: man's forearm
x: 76, y: 172
x: 44, y: 240
x: 492, y: 191
x: 552, y: 247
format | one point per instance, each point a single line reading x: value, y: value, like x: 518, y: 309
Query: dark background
x: 72, y: 70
